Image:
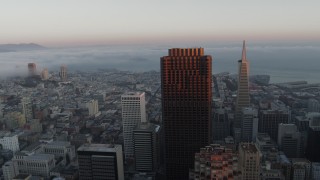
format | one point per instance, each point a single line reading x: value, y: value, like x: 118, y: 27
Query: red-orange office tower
x: 186, y: 76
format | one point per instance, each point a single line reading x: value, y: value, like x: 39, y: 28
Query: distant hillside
x: 20, y: 47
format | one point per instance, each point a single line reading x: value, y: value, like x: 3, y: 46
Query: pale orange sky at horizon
x: 82, y: 22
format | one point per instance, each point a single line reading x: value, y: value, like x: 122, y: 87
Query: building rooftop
x: 283, y: 158
x: 59, y: 143
x: 249, y: 111
x: 22, y: 176
x: 186, y: 52
x: 145, y: 126
x: 132, y: 94
x: 100, y: 147
x: 40, y: 157
x: 249, y: 147
x: 263, y: 137
x: 32, y: 147
x: 6, y: 134
x: 300, y: 161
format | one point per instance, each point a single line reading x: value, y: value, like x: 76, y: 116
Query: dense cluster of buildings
x: 181, y: 123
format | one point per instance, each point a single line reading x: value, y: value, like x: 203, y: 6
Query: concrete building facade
x: 249, y: 161
x: 9, y: 141
x: 249, y: 124
x: 133, y: 112
x: 9, y: 170
x: 36, y: 164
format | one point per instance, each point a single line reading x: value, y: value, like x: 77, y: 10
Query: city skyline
x: 159, y: 90
x: 71, y: 23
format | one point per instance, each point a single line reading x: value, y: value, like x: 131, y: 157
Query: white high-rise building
x: 93, y: 107
x: 9, y: 141
x: 133, y: 112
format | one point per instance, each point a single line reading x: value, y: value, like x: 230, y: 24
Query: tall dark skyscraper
x: 186, y: 81
x: 313, y: 144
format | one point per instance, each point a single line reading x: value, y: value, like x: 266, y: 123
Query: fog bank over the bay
x: 283, y: 63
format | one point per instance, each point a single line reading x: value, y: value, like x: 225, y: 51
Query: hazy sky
x: 77, y: 22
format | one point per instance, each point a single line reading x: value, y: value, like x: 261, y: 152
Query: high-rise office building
x: 313, y: 145
x: 27, y: 108
x: 289, y: 140
x: 249, y: 161
x: 93, y: 107
x: 100, y: 161
x: 220, y: 125
x: 133, y: 112
x: 32, y: 69
x: 63, y: 73
x: 9, y: 141
x: 243, y: 98
x: 215, y: 162
x: 249, y: 124
x: 146, y: 143
x: 186, y: 83
x: 270, y: 119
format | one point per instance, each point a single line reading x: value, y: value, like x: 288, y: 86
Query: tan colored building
x: 249, y: 161
x: 93, y: 107
x: 243, y: 98
x: 63, y: 73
